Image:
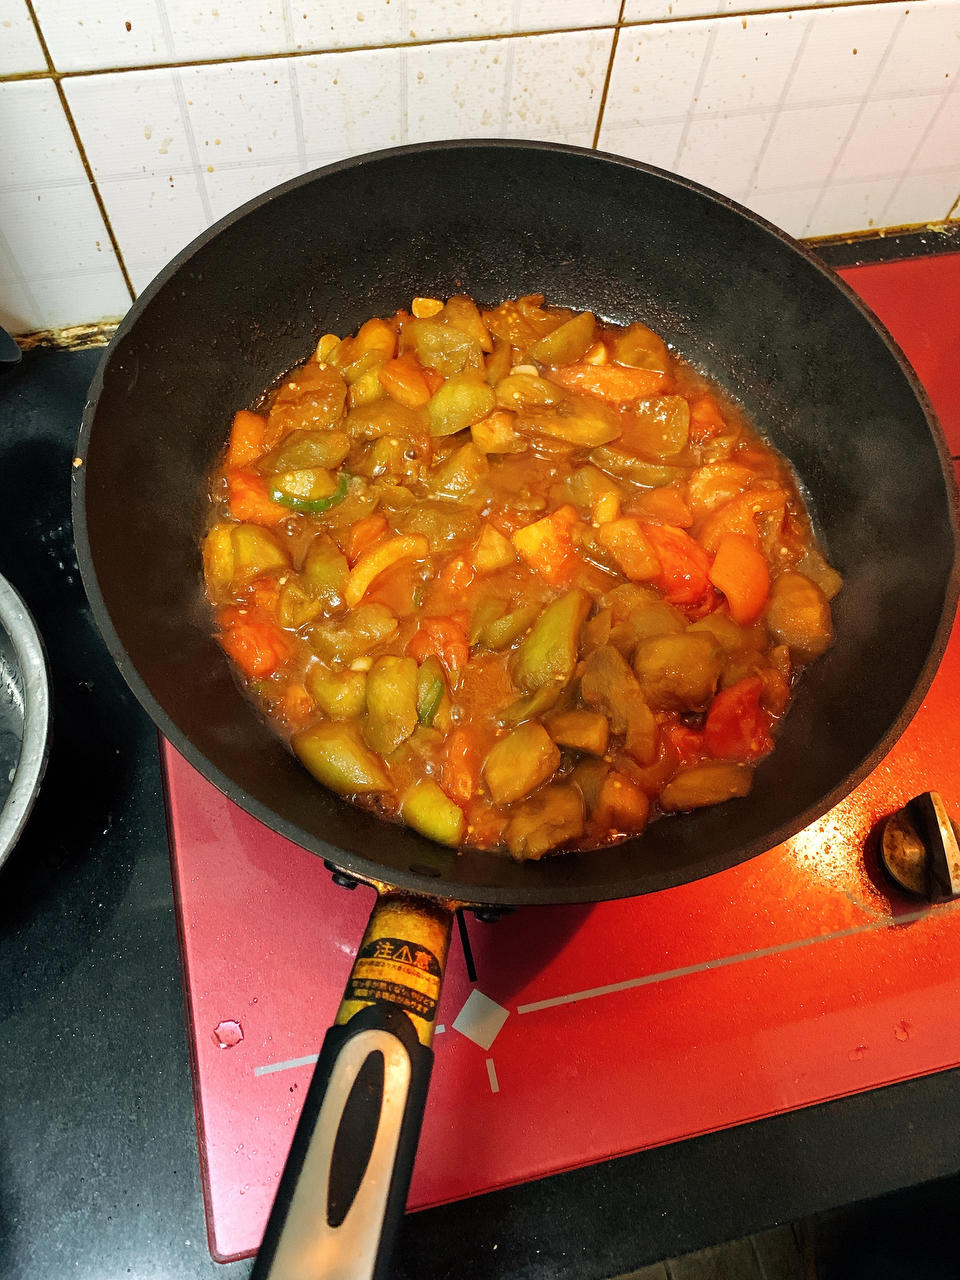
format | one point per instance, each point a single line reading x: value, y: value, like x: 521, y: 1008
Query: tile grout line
x: 691, y: 112
x: 319, y: 51
x: 920, y: 143
x: 854, y: 123
x: 18, y: 278
x: 607, y: 78
x: 82, y: 152
x: 323, y: 50
x: 183, y: 108
x: 294, y: 87
x: 197, y: 167
x: 776, y: 114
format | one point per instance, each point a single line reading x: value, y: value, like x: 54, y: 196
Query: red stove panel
x: 589, y: 1032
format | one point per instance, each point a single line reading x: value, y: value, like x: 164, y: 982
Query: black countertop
x: 99, y: 1172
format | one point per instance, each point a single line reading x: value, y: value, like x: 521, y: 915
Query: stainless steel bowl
x: 24, y: 715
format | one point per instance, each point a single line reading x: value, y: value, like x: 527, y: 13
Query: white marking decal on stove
x: 480, y: 1019
x: 723, y: 961
x: 492, y: 1075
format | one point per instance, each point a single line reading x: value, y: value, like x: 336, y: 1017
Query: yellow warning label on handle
x: 401, y: 960
x: 399, y: 972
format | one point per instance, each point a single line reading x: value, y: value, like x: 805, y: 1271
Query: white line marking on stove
x: 285, y: 1066
x: 723, y: 961
x: 309, y: 1060
x: 492, y: 1074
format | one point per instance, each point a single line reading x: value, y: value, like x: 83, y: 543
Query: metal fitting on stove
x: 920, y: 849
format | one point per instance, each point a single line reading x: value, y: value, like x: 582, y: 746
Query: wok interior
x: 496, y: 221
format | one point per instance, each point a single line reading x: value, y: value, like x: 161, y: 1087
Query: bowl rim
x: 17, y: 621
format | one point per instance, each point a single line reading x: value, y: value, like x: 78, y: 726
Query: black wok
x: 249, y: 299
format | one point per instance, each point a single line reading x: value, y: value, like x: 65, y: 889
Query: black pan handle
x: 344, y: 1186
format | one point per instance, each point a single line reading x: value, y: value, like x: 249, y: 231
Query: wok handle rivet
x: 490, y: 915
x: 341, y: 878
x: 920, y: 848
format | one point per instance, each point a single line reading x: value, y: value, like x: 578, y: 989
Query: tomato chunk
x: 444, y: 637
x: 249, y: 500
x: 460, y: 770
x: 611, y: 382
x: 256, y: 645
x: 247, y: 439
x: 684, y: 576
x: 737, y: 727
x: 740, y: 571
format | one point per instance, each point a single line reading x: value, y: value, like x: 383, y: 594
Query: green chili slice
x: 305, y: 503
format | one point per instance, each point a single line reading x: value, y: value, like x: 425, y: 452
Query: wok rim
x: 366, y: 869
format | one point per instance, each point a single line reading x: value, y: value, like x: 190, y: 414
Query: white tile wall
x: 682, y: 10
x: 174, y: 149
x: 824, y: 118
x: 20, y: 49
x: 83, y: 34
x: 56, y: 263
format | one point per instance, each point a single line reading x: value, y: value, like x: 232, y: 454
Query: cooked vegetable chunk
x: 391, y: 697
x: 583, y: 730
x: 464, y: 314
x: 427, y: 809
x: 380, y: 558
x: 462, y: 473
x: 553, y: 817
x: 630, y: 549
x: 497, y: 433
x: 798, y: 615
x: 610, y: 382
x: 547, y: 544
x: 575, y: 420
x: 709, y: 783
x: 519, y: 763
x: 256, y: 551
x: 336, y: 756
x: 660, y: 427
x: 431, y: 689
x: 502, y: 632
x: 678, y: 672
x: 493, y: 551
x: 639, y: 346
x: 325, y: 572
x: 736, y: 727
x: 622, y: 803
x: 344, y: 640
x: 566, y: 343
x: 607, y: 683
x: 305, y: 449
x: 341, y: 695
x: 462, y: 400
x: 549, y: 653
x: 442, y: 347
x: 740, y: 571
